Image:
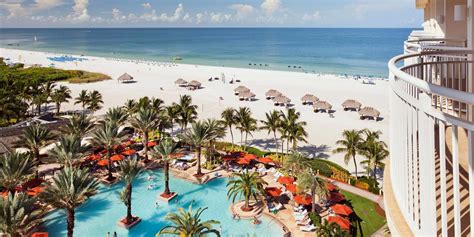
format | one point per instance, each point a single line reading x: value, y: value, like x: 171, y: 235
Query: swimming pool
x: 101, y: 212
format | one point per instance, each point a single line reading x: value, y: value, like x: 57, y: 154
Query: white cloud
x: 187, y: 18
x: 315, y: 16
x: 79, y: 13
x: 146, y: 5
x: 219, y: 17
x: 24, y: 8
x: 116, y: 13
x: 270, y: 6
x: 199, y: 18
x: 242, y: 9
x: 175, y: 17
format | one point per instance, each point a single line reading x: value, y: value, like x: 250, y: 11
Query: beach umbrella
x: 40, y: 234
x: 35, y: 191
x: 309, y: 98
x: 125, y: 77
x: 286, y: 180
x: 272, y: 93
x: 128, y: 152
x: 303, y: 199
x: 322, y: 105
x: 103, y: 162
x: 246, y: 95
x: 250, y: 156
x: 342, y: 222
x: 351, y: 104
x: 243, y: 161
x: 369, y: 112
x: 116, y: 157
x: 241, y: 89
x: 265, y: 160
x: 292, y: 188
x: 331, y: 187
x: 273, y: 191
x: 195, y: 84
x: 342, y: 209
x: 281, y: 99
x: 180, y: 82
x: 95, y: 157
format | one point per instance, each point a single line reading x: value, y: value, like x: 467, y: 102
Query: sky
x: 209, y: 13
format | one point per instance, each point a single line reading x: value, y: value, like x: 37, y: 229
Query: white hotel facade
x: 430, y: 173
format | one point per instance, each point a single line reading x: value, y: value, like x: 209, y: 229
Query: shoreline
x: 157, y: 80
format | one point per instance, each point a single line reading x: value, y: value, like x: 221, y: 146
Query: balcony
x: 423, y: 44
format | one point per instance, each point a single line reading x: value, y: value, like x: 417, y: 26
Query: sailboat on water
x: 35, y: 38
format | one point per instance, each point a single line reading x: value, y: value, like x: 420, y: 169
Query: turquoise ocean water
x: 322, y: 50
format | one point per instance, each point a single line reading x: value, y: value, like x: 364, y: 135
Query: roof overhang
x: 421, y: 4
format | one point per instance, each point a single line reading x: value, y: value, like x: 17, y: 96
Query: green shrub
x: 315, y: 219
x: 334, y: 165
x: 373, y: 184
x: 255, y: 151
x: 322, y: 167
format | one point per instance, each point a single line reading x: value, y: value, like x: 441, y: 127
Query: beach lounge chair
x: 277, y: 207
x: 300, y: 218
x: 304, y: 222
x: 308, y: 228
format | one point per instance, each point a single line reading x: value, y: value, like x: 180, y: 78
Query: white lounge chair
x: 308, y: 228
x: 304, y: 222
x: 300, y: 218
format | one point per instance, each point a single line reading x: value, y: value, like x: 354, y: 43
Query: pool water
x: 101, y: 212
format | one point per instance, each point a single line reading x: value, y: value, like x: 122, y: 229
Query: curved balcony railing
x: 433, y: 44
x: 441, y: 79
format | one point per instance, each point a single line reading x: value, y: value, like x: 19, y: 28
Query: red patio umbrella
x: 128, y: 152
x: 250, y: 156
x: 152, y: 143
x: 4, y: 194
x: 128, y: 143
x: 303, y: 199
x: 243, y: 161
x: 95, y: 157
x: 342, y: 209
x: 342, y: 222
x: 228, y: 158
x: 292, y: 188
x: 331, y: 187
x: 286, y: 180
x: 103, y: 162
x: 265, y: 160
x: 116, y: 157
x: 336, y: 197
x: 238, y: 154
x: 35, y: 191
x: 40, y: 234
x: 273, y: 191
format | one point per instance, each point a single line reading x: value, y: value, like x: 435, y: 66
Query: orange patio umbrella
x: 128, y: 152
x: 331, y: 187
x: 250, y: 156
x: 265, y: 160
x: 303, y: 199
x: 342, y: 209
x: 342, y: 222
x: 292, y: 188
x: 116, y: 157
x: 103, y: 162
x: 4, y: 194
x: 286, y: 180
x: 151, y: 144
x: 273, y: 191
x: 128, y: 143
x: 35, y: 191
x: 243, y: 161
x: 40, y: 234
x: 95, y: 157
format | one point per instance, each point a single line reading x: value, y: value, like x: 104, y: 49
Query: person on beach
x: 115, y: 234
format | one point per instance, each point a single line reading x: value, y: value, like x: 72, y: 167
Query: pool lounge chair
x: 276, y: 207
x: 304, y: 222
x: 308, y: 228
x: 300, y: 218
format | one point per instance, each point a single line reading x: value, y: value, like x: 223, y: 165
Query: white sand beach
x: 323, y: 131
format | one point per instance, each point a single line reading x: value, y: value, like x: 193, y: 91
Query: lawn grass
x: 371, y: 221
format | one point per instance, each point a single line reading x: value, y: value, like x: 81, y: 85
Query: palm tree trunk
x: 374, y: 173
x: 276, y: 141
x: 287, y: 146
x: 199, y: 173
x: 145, y: 143
x: 282, y: 145
x: 37, y: 156
x: 245, y: 144
x: 70, y: 222
x: 241, y: 137
x: 58, y: 108
x: 231, y: 135
x: 167, y: 179
x: 109, y: 166
x: 355, y: 165
x: 313, y: 202
x: 129, y: 203
x: 39, y: 109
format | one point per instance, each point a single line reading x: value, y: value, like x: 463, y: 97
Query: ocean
x: 352, y: 51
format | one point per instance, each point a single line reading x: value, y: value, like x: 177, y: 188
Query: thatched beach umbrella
x: 125, y: 78
x: 181, y: 82
x: 247, y: 95
x: 369, y: 112
x: 281, y: 99
x: 241, y: 89
x: 351, y: 105
x: 272, y: 94
x: 194, y: 85
x: 308, y: 98
x: 322, y: 105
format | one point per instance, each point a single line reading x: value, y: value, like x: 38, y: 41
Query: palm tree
x: 188, y: 223
x: 39, y: 99
x: 246, y: 184
x: 68, y: 150
x: 327, y: 229
x: 186, y: 111
x: 309, y: 180
x: 197, y: 137
x: 296, y: 162
x: 293, y: 129
x: 350, y: 146
x: 130, y: 107
x: 15, y: 169
x: 78, y: 125
x: 171, y: 114
x: 145, y: 120
x: 157, y: 104
x: 129, y: 170
x: 375, y: 152
x: 272, y: 124
x: 95, y: 101
x: 216, y: 131
x: 18, y: 215
x: 242, y: 115
x: 35, y: 137
x: 69, y: 188
x: 116, y: 115
x: 83, y: 98
x: 229, y: 119
x: 108, y: 135
x: 59, y: 96
x: 165, y: 150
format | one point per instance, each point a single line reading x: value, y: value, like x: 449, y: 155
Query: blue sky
x: 209, y: 13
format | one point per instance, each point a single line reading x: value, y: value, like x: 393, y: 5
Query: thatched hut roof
x: 272, y: 93
x: 309, y: 98
x: 351, y: 104
x: 125, y: 77
x: 247, y: 95
x: 281, y: 99
x: 180, y: 81
x: 369, y: 112
x: 241, y: 89
x: 322, y: 105
x: 194, y: 84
